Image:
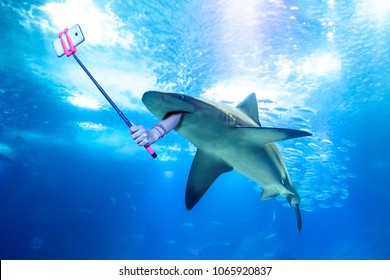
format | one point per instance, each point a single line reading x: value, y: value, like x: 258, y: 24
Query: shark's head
x: 162, y: 103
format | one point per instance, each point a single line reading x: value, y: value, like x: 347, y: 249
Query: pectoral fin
x: 265, y: 135
x: 204, y: 170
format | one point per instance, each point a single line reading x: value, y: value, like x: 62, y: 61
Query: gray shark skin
x: 228, y: 138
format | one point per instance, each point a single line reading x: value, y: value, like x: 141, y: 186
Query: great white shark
x: 228, y: 138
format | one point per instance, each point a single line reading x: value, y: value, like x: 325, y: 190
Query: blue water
x: 73, y: 185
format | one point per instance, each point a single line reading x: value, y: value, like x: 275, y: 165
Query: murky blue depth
x: 73, y: 185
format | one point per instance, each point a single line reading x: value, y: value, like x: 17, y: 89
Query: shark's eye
x: 181, y: 96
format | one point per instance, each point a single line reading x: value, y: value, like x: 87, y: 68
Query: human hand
x: 142, y: 136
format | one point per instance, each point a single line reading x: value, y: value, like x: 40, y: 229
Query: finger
x: 140, y: 138
x: 139, y: 134
x: 135, y: 128
x: 135, y: 135
x: 144, y: 142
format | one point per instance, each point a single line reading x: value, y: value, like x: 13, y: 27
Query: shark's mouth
x: 177, y: 112
x: 173, y: 112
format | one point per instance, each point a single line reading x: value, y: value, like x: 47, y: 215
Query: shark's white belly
x: 254, y: 163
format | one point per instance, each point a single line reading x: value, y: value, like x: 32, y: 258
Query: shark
x: 228, y: 138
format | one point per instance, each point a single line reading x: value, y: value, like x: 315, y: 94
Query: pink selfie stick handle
x: 150, y: 151
x: 72, y: 51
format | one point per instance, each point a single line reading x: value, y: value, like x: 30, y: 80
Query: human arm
x: 143, y: 137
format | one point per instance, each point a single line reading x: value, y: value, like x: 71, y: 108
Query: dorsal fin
x: 249, y: 107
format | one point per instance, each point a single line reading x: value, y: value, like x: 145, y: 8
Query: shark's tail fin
x: 298, y: 215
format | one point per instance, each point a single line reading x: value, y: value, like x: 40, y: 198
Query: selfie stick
x: 71, y: 51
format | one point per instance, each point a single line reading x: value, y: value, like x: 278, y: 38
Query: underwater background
x: 73, y: 185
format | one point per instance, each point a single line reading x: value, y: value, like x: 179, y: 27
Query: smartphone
x: 76, y: 35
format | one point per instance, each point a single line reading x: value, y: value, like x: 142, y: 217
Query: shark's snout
x: 161, y: 103
x: 151, y: 97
